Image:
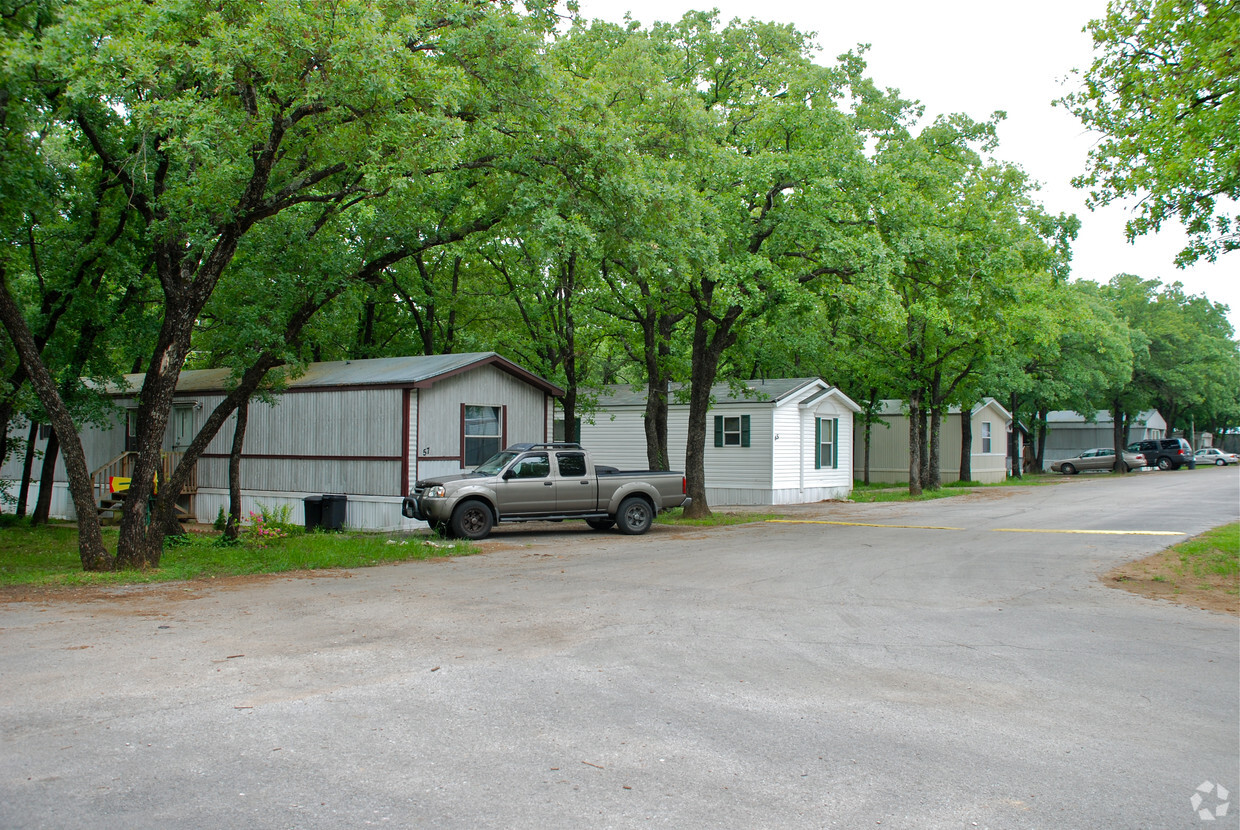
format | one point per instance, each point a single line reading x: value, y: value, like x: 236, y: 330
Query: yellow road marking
x: 994, y: 530
x: 1103, y: 532
x: 857, y: 524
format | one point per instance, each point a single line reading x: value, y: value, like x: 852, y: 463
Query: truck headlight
x: 436, y: 492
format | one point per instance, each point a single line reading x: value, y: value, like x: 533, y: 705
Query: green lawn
x: 49, y: 556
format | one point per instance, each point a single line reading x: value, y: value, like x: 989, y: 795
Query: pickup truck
x: 543, y: 482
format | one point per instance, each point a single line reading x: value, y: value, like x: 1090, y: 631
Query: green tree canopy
x: 1164, y: 92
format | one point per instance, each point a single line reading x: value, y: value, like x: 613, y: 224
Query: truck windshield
x: 494, y: 464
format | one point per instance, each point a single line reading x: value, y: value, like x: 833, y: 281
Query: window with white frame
x: 481, y: 434
x: 985, y: 436
x: 731, y: 430
x: 826, y: 443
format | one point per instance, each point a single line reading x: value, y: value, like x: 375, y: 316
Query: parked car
x: 540, y: 482
x: 1102, y: 458
x: 1164, y: 453
x: 1213, y: 455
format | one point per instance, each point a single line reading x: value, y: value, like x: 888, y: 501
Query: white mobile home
x: 889, y: 447
x: 785, y: 441
x: 366, y: 429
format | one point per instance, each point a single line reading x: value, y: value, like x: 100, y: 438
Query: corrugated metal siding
x: 361, y: 512
x: 100, y: 446
x: 341, y: 422
x: 439, y: 411
x: 371, y: 478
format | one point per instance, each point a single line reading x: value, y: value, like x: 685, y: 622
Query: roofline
x: 485, y: 359
x: 501, y: 363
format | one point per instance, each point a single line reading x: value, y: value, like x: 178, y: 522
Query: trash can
x: 314, y: 512
x: 334, y: 511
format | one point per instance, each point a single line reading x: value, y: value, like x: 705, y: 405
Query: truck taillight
x: 684, y: 485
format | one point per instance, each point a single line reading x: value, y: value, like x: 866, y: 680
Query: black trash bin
x: 314, y: 512
x: 334, y: 506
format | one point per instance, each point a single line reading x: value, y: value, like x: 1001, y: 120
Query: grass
x: 48, y: 556
x: 1213, y: 554
x: 716, y: 519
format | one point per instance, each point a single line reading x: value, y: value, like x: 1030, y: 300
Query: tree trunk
x: 1118, y: 434
x: 47, y: 481
x: 914, y: 442
x: 90, y: 535
x: 708, y: 348
x: 871, y: 408
x: 966, y: 443
x: 1013, y: 442
x: 923, y: 443
x: 232, y: 529
x: 654, y: 422
x: 27, y: 468
x: 1040, y: 459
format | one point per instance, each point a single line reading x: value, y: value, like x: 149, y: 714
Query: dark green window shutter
x: 744, y: 430
x: 818, y: 443
x: 718, y: 430
x: 835, y: 443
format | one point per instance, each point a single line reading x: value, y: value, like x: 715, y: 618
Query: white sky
x: 975, y: 57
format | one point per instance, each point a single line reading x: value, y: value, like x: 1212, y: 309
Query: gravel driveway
x: 958, y: 665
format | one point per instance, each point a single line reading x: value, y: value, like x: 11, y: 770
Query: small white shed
x: 784, y: 441
x: 889, y: 448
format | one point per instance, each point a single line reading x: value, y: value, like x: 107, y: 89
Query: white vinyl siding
x: 776, y: 468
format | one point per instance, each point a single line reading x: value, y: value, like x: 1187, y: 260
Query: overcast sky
x: 975, y: 57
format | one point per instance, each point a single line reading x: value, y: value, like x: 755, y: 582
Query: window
x: 571, y: 464
x: 826, y: 447
x: 481, y: 434
x: 45, y: 432
x: 985, y: 436
x: 532, y: 466
x: 731, y: 430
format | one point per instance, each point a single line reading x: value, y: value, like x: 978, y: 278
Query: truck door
x: 576, y: 488
x: 527, y: 488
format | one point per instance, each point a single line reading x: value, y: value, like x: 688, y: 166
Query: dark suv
x: 1164, y: 453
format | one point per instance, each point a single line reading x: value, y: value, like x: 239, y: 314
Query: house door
x: 182, y: 427
x: 131, y: 430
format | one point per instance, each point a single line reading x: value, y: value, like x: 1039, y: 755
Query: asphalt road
x: 943, y: 670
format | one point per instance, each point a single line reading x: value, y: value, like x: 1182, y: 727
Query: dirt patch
x: 1162, y: 576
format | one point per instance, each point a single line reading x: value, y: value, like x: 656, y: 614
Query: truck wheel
x: 440, y: 528
x: 635, y: 516
x: 601, y: 524
x: 1164, y: 463
x: 471, y: 520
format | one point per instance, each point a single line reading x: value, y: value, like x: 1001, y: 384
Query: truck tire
x: 471, y: 520
x: 601, y: 524
x: 440, y: 528
x: 635, y: 516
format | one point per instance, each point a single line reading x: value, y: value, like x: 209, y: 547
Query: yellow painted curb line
x: 1103, y: 532
x: 857, y: 524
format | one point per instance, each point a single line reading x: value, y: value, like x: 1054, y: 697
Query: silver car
x: 1213, y: 455
x: 1102, y: 458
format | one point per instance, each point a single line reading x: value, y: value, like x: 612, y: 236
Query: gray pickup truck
x: 543, y: 482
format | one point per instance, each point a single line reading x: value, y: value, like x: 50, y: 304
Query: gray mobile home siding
x: 436, y: 421
x: 313, y: 440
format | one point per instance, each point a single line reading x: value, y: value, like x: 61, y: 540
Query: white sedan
x: 1213, y: 455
